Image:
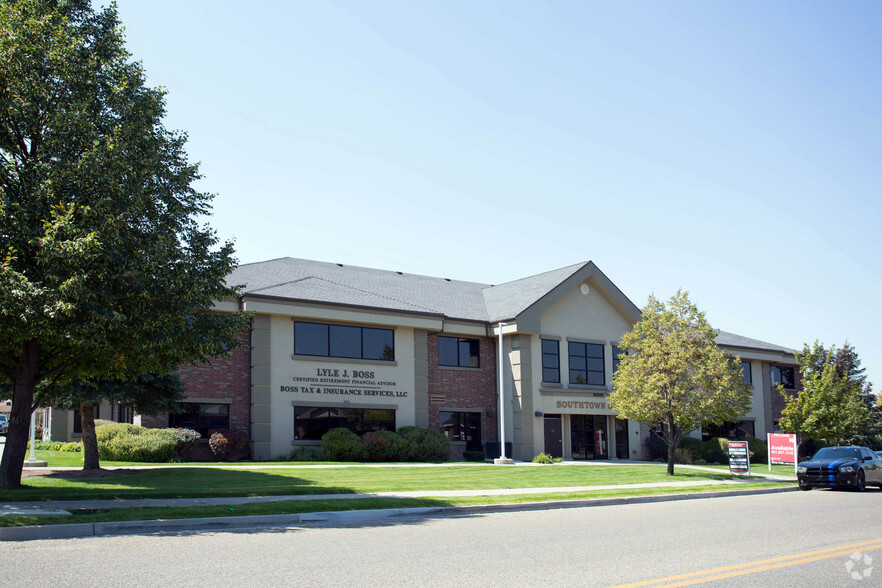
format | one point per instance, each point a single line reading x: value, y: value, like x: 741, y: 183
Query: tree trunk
x: 671, y: 438
x: 90, y: 440
x: 20, y: 416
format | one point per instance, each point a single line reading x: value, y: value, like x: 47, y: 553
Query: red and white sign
x: 782, y: 448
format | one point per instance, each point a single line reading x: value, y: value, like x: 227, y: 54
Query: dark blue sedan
x: 841, y: 467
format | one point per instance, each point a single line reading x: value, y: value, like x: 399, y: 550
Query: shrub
x: 383, y: 446
x: 759, y: 450
x: 156, y: 445
x: 682, y: 455
x: 71, y: 447
x: 719, y: 449
x: 302, y: 454
x: 184, y: 439
x: 424, y: 444
x: 473, y: 455
x: 658, y: 449
x: 341, y: 444
x: 543, y: 458
x: 106, y: 430
x: 694, y: 446
x: 699, y: 462
x: 229, y: 444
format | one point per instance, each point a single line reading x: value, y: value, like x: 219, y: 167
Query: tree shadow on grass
x: 167, y: 482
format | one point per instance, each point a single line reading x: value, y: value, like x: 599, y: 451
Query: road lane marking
x: 756, y: 566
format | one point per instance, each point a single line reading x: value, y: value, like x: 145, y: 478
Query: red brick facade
x: 778, y: 402
x: 465, y: 388
x: 221, y: 378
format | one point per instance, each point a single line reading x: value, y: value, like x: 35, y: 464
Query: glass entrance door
x: 588, y: 436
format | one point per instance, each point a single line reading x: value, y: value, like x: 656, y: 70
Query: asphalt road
x: 791, y: 539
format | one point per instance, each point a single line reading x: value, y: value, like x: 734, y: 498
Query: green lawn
x: 182, y: 481
x: 302, y: 506
x: 763, y: 468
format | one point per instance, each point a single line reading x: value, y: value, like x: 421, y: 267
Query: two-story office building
x: 333, y: 345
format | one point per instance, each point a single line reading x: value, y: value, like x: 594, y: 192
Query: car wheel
x: 861, y: 484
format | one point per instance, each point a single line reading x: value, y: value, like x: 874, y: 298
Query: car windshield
x: 838, y: 453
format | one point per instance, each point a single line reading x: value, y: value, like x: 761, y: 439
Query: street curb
x: 199, y: 525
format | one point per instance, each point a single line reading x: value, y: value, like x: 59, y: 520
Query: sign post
x: 739, y: 457
x: 782, y: 449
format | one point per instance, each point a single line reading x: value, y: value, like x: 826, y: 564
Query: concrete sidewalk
x: 39, y: 508
x: 266, y: 522
x: 64, y: 507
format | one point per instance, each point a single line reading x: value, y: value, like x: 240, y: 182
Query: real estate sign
x: 739, y: 457
x: 782, y: 449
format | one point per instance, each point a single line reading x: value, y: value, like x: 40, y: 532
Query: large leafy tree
x: 106, y: 271
x: 145, y: 394
x: 673, y: 375
x: 832, y: 403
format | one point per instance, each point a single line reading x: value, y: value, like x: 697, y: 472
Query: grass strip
x: 192, y: 482
x: 305, y: 506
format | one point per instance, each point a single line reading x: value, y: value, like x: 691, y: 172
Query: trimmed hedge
x: 409, y: 444
x: 125, y: 442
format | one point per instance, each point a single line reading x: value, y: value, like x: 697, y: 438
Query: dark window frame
x: 548, y: 358
x: 357, y: 420
x: 789, y: 383
x: 465, y: 427
x: 747, y: 374
x: 466, y: 350
x: 579, y: 352
x: 616, y: 351
x: 193, y: 416
x: 334, y: 336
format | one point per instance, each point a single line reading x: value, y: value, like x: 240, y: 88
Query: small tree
x: 831, y: 404
x: 674, y: 376
x: 146, y: 394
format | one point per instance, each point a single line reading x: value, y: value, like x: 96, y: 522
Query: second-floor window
x: 458, y: 352
x: 343, y: 341
x: 586, y: 364
x: 550, y: 361
x: 783, y: 375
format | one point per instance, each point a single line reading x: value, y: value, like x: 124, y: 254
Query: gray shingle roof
x: 733, y: 340
x: 507, y: 300
x: 302, y: 279
x: 316, y: 281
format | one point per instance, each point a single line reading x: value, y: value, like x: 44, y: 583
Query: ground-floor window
x: 312, y: 422
x: 588, y: 436
x: 739, y: 430
x: 78, y: 421
x: 125, y: 414
x: 462, y: 426
x: 622, y: 439
x: 202, y: 417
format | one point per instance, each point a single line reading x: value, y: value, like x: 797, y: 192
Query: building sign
x: 338, y: 383
x: 739, y: 457
x: 782, y: 449
x: 567, y: 406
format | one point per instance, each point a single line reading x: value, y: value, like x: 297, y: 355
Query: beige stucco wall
x: 337, y: 382
x: 574, y: 316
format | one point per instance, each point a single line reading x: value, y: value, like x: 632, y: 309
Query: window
x: 462, y: 426
x: 746, y: 375
x: 78, y: 421
x: 458, y: 352
x: 739, y: 430
x: 550, y: 361
x: 586, y: 364
x: 201, y: 417
x: 616, y: 351
x: 322, y: 340
x: 783, y: 375
x: 125, y: 414
x: 311, y: 422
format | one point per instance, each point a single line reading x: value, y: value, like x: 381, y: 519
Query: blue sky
x: 730, y: 149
